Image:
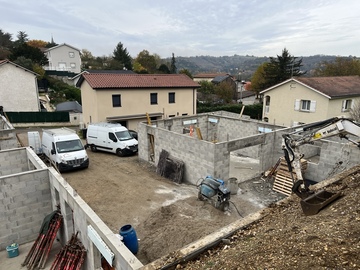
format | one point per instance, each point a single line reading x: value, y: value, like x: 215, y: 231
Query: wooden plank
x: 283, y: 184
x: 286, y: 174
x: 285, y: 192
x: 198, y: 132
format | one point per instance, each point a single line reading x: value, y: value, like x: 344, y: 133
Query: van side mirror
x: 52, y: 152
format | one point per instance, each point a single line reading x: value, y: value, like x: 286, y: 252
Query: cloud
x: 189, y: 27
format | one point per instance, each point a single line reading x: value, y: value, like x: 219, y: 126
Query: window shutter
x: 297, y: 105
x: 312, y: 106
x: 352, y: 104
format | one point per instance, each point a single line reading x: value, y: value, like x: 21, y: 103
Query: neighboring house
x: 76, y: 78
x: 228, y: 80
x: 63, y: 57
x: 248, y: 97
x: 74, y: 109
x: 207, y: 76
x: 18, y: 88
x: 126, y: 98
x: 303, y: 100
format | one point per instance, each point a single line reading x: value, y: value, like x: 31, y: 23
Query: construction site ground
x: 166, y: 216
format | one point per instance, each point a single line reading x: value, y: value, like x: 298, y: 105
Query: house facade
x: 18, y: 88
x: 303, y: 100
x: 128, y: 98
x: 207, y: 76
x: 63, y: 57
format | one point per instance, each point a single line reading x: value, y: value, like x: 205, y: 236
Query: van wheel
x: 119, y: 152
x: 93, y: 148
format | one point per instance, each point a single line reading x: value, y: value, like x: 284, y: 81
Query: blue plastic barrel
x: 129, y: 238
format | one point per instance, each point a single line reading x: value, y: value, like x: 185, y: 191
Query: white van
x: 111, y: 137
x: 63, y: 147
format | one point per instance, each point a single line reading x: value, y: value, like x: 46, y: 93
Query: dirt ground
x: 166, y: 216
x: 287, y: 239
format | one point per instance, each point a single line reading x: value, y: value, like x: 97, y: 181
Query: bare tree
x: 355, y: 111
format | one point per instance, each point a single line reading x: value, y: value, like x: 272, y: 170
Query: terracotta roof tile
x: 107, y: 80
x: 334, y: 87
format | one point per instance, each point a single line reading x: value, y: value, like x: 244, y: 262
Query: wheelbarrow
x: 317, y: 201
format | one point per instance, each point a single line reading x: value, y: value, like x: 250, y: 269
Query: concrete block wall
x: 8, y: 137
x: 13, y: 161
x: 77, y: 217
x: 335, y: 157
x: 230, y: 129
x: 27, y: 197
x: 202, y: 158
x: 25, y: 200
x: 206, y: 158
x: 198, y: 155
x: 251, y: 152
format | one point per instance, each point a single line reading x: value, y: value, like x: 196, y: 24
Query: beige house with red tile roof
x: 310, y: 99
x: 126, y: 98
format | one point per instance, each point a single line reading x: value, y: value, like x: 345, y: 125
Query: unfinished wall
x: 334, y: 157
x: 31, y: 190
x: 24, y: 199
x: 14, y: 161
x: 77, y: 217
x: 258, y: 140
x: 204, y: 158
x: 8, y: 138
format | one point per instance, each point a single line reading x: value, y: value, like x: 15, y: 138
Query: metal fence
x: 37, y: 117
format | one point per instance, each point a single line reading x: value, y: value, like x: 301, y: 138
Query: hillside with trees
x: 245, y: 66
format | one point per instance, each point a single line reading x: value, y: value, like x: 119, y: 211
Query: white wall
x: 18, y: 89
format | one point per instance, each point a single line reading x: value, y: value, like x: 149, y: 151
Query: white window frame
x: 310, y: 107
x: 305, y: 105
x: 346, y: 105
x: 71, y: 54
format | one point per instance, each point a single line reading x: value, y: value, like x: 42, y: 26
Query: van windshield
x: 69, y: 146
x: 123, y: 135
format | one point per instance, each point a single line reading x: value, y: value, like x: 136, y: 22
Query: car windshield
x: 69, y: 146
x: 123, y: 135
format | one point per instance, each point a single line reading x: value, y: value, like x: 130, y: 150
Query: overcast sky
x: 190, y: 27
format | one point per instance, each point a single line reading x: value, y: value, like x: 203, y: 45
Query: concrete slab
x: 14, y: 263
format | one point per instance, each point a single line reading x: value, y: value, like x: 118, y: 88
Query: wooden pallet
x: 283, y: 182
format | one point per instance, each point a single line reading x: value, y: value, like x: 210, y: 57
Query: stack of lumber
x: 284, y: 179
x: 40, y: 250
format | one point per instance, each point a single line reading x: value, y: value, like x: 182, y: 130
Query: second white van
x: 111, y: 137
x: 63, y: 147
